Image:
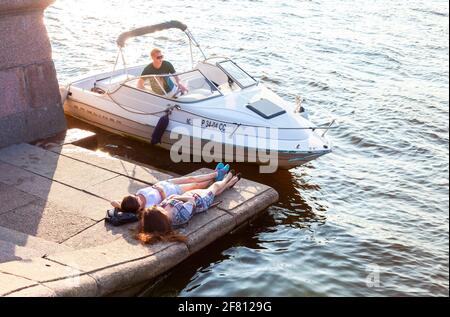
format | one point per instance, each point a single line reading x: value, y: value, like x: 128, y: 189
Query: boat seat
x: 197, y: 83
x: 195, y: 95
x: 109, y: 83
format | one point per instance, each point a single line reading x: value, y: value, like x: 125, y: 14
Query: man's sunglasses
x: 160, y: 57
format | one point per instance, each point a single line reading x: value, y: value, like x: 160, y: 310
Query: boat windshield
x: 169, y: 86
x: 236, y: 73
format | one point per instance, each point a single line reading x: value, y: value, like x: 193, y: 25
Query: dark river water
x: 369, y: 219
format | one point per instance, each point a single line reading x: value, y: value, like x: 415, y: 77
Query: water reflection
x: 292, y: 211
x: 379, y: 200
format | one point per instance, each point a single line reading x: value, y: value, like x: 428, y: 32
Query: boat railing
x: 199, y: 87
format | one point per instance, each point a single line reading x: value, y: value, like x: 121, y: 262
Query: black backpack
x: 117, y: 217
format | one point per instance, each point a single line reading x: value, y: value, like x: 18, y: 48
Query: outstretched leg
x: 218, y: 187
x: 232, y: 181
x: 194, y: 179
x: 192, y: 186
x: 205, y: 197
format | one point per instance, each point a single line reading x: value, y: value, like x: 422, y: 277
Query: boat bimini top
x: 223, y: 71
x: 159, y: 27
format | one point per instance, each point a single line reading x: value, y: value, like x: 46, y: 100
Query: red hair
x: 155, y: 226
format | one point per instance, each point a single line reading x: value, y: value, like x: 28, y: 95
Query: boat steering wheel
x: 178, y: 93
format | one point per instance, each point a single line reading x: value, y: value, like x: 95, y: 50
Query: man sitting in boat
x: 162, y: 85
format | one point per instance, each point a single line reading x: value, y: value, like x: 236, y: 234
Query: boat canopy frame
x: 173, y: 24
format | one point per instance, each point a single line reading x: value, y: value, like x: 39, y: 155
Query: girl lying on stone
x: 153, y: 195
x: 157, y: 223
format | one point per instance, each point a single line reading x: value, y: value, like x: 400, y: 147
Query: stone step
x: 140, y: 172
x: 19, y: 187
x: 66, y: 137
x: 53, y: 166
x: 62, y: 196
x: 15, y: 245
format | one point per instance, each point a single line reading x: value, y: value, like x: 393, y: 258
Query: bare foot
x: 234, y: 180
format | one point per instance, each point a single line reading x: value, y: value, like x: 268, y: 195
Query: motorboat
x: 225, y: 114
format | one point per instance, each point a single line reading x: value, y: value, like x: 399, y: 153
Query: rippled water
x: 372, y: 218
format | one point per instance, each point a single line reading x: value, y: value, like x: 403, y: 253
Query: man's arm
x: 140, y: 83
x: 177, y: 80
x: 179, y: 84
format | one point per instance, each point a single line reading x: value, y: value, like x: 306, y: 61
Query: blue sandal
x: 219, y: 166
x: 221, y: 172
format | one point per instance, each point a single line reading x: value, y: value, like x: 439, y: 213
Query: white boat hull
x: 117, y: 124
x: 222, y: 121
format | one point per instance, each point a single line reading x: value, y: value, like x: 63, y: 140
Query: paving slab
x: 206, y: 227
x: 24, y: 180
x: 78, y: 202
x: 45, y: 220
x: 12, y: 198
x: 54, y: 166
x: 10, y: 283
x: 39, y: 270
x: 78, y: 174
x: 250, y: 186
x: 232, y: 198
x: 145, y: 174
x: 11, y: 252
x: 133, y: 291
x: 99, y: 234
x: 75, y: 286
x: 116, y: 188
x: 16, y: 245
x: 23, y: 154
x: 66, y: 137
x: 31, y: 158
x: 66, y: 197
x: 123, y: 276
x: 33, y: 291
x: 248, y: 209
x: 114, y: 253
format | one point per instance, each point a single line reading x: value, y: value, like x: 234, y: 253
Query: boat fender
x: 161, y: 126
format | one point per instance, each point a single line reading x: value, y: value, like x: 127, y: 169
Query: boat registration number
x: 214, y: 124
